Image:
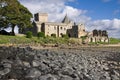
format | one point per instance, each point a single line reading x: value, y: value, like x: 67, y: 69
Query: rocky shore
x: 26, y: 63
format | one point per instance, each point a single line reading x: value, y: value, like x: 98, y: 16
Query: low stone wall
x: 59, y: 64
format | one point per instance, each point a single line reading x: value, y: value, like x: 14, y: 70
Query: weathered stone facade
x: 65, y: 27
x: 98, y: 36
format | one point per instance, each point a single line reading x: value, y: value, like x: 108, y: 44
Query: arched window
x: 61, y: 28
x: 61, y: 34
x: 91, y: 40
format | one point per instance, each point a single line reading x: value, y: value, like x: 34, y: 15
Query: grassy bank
x: 34, y: 40
x: 114, y: 41
x: 46, y: 40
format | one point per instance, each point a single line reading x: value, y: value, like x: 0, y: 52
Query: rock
x: 35, y: 63
x: 33, y: 73
x: 115, y: 77
x: 105, y: 67
x: 26, y: 64
x: 116, y: 73
x: 66, y: 78
x: 67, y: 71
x: 106, y: 76
x: 59, y: 64
x: 18, y: 62
x: 12, y: 79
x: 47, y: 77
x: 7, y: 65
x: 5, y: 71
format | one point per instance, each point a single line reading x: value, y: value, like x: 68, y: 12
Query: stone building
x: 66, y: 26
x: 98, y: 36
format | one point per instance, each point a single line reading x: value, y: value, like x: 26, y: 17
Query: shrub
x: 65, y: 36
x: 29, y: 34
x: 53, y: 35
x: 40, y: 34
x: 83, y: 39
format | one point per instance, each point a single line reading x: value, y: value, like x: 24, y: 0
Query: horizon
x: 100, y: 14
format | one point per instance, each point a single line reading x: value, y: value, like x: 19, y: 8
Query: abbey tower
x: 41, y: 17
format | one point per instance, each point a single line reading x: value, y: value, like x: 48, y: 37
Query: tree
x: 13, y: 13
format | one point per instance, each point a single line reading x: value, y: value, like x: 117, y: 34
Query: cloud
x: 57, y: 9
x: 112, y: 26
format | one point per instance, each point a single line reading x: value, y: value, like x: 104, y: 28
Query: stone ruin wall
x: 99, y: 36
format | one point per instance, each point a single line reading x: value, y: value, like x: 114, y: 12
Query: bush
x: 65, y: 36
x: 83, y: 39
x: 40, y: 34
x: 53, y: 35
x: 29, y: 34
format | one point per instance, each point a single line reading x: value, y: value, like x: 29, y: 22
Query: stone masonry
x: 66, y: 27
x: 41, y: 24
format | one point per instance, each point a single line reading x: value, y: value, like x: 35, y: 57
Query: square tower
x: 41, y: 17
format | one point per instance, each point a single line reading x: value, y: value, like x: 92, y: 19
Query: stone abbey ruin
x: 66, y: 27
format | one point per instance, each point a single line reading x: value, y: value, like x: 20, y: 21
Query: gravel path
x: 84, y: 63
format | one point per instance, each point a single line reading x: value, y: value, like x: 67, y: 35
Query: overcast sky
x: 95, y: 14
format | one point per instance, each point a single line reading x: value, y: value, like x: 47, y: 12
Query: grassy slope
x: 23, y: 40
x: 114, y: 41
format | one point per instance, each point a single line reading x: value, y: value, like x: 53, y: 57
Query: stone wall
x: 81, y: 30
x: 98, y: 36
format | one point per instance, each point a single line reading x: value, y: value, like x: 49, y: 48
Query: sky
x: 95, y: 14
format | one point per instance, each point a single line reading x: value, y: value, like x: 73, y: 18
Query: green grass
x: 23, y: 40
x: 114, y: 41
x: 13, y: 39
x: 46, y: 40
